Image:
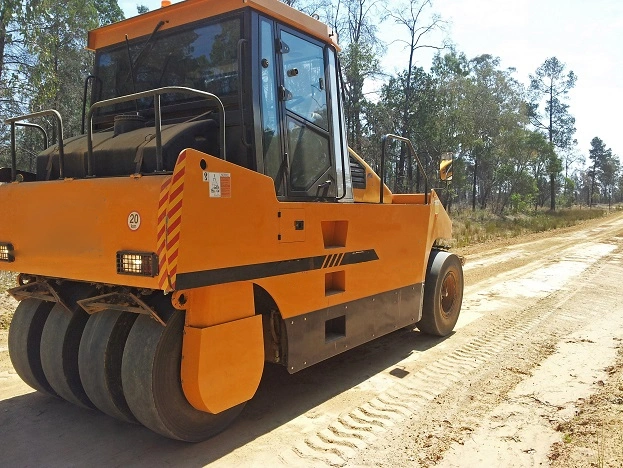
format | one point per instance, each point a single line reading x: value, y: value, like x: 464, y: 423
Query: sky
x: 586, y: 36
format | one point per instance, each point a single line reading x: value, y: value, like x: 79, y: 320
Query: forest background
x: 513, y: 145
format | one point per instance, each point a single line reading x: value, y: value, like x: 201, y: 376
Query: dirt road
x: 539, y: 333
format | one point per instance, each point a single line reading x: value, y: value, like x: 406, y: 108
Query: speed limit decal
x: 134, y: 220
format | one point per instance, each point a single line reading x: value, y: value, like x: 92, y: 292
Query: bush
x: 482, y: 226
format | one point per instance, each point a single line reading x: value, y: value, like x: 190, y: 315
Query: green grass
x: 483, y: 226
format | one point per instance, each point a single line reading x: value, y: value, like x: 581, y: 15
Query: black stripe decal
x: 360, y: 256
x: 197, y: 279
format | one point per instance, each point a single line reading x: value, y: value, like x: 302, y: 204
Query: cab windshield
x: 203, y: 58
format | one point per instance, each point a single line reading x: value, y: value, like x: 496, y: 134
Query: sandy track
x: 535, y: 315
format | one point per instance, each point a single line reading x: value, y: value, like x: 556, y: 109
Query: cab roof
x: 190, y: 11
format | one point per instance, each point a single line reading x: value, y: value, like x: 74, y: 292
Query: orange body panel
x: 371, y: 194
x: 189, y: 11
x: 251, y: 227
x: 221, y: 303
x: 74, y: 228
x: 222, y: 365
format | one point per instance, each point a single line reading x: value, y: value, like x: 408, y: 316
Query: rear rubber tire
x: 99, y: 361
x: 150, y: 374
x: 443, y: 294
x: 25, y: 343
x: 59, y: 353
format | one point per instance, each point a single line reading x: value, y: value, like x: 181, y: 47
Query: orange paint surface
x: 222, y: 365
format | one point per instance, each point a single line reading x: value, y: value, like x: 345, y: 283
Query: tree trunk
x: 3, y: 38
x: 551, y: 139
x: 474, y: 186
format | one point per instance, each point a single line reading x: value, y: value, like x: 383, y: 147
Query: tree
x: 53, y: 63
x: 603, y: 170
x: 413, y: 18
x: 610, y: 173
x: 360, y: 62
x: 414, y: 119
x: 490, y: 110
x: 56, y: 40
x: 552, y: 83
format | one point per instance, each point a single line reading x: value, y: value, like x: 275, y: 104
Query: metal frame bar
x: 41, y: 289
x: 18, y: 121
x: 121, y: 301
x: 84, y: 99
x: 391, y: 136
x: 155, y: 93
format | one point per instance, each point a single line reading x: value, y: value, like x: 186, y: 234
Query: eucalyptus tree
x: 551, y: 83
x: 492, y: 105
x: 450, y: 72
x: 413, y: 118
x: 420, y: 24
x: 13, y: 59
x: 610, y: 174
x: 602, y: 172
x: 44, y: 62
x: 56, y: 40
x: 360, y: 61
x: 8, y: 12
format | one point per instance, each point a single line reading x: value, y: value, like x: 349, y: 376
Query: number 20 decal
x: 134, y: 220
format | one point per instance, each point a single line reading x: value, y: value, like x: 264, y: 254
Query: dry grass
x: 483, y: 226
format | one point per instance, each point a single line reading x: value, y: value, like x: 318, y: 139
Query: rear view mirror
x: 445, y: 167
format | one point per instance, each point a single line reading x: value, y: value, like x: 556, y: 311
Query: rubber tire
x: 60, y: 342
x: 435, y: 320
x: 150, y: 373
x: 99, y: 361
x: 25, y: 342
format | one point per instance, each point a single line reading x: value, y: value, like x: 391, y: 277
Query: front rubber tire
x: 443, y: 294
x: 60, y: 341
x: 150, y: 373
x: 99, y: 361
x: 25, y: 342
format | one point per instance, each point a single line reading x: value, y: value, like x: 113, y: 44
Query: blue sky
x: 586, y: 36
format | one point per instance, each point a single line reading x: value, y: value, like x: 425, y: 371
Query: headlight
x: 6, y: 252
x: 137, y: 263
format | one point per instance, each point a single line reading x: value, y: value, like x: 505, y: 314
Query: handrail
x: 84, y: 99
x: 391, y: 136
x: 155, y: 93
x: 17, y: 121
x: 38, y: 127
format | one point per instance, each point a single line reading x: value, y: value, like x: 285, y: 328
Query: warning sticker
x: 220, y: 184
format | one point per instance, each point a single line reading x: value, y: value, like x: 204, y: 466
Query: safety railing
x: 155, y: 93
x: 19, y: 122
x: 420, y: 167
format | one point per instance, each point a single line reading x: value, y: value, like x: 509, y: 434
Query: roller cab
x: 210, y: 220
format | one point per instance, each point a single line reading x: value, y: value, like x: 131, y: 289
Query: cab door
x: 295, y: 108
x: 303, y: 95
